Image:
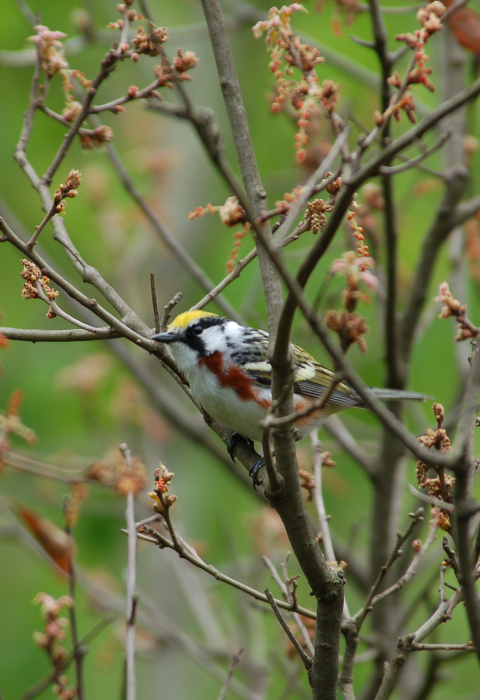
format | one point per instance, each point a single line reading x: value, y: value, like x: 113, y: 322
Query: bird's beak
x: 166, y: 337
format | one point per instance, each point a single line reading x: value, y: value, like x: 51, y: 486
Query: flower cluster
x: 307, y: 482
x: 129, y: 14
x: 356, y: 267
x: 317, y: 209
x: 184, y: 62
x: 364, y: 221
x: 150, y: 44
x: 358, y: 234
x: 351, y: 327
x: 11, y: 424
x: 52, y: 638
x: 283, y: 206
x: 164, y: 73
x: 53, y: 59
x: 35, y: 282
x: 398, y: 103
x: 316, y: 212
x: 96, y: 138
x: 288, y: 52
x: 441, y: 485
x: 72, y: 107
x: 430, y: 20
x: 162, y: 482
x: 115, y: 473
x: 67, y: 189
x: 455, y: 308
x: 231, y: 214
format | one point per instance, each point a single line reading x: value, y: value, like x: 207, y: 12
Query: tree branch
x: 243, y: 145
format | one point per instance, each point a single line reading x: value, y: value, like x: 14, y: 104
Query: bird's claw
x: 253, y: 472
x: 232, y: 441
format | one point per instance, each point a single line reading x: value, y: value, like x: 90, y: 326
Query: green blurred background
x: 82, y: 402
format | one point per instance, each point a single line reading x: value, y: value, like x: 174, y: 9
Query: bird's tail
x: 399, y: 395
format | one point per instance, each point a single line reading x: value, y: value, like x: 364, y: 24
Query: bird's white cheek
x: 185, y: 358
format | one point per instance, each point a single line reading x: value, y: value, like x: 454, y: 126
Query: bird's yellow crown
x: 185, y: 319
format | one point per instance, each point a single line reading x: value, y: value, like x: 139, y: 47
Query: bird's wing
x: 311, y: 378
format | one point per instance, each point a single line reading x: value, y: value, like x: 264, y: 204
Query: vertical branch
x: 243, y: 145
x: 320, y: 506
x: 452, y: 67
x: 78, y: 649
x: 381, y: 48
x: 130, y: 682
x: 465, y: 506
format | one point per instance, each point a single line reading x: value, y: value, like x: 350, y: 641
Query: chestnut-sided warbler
x: 228, y: 370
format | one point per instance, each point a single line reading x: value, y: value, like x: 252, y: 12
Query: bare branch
x: 318, y: 497
x: 154, y: 303
x: 401, y: 539
x: 430, y: 499
x: 289, y: 598
x: 307, y: 661
x: 131, y: 596
x: 443, y: 647
x: 51, y: 212
x: 412, y: 162
x: 63, y: 336
x: 78, y: 650
x: 246, y: 157
x: 158, y: 539
x: 107, y: 65
x: 167, y: 310
x: 234, y: 662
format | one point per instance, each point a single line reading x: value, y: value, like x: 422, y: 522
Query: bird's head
x: 196, y: 334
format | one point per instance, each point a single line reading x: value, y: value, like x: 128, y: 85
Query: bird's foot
x: 253, y: 472
x: 232, y: 441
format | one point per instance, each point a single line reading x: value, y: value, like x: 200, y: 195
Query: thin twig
x: 318, y: 497
x: 62, y: 314
x: 154, y: 303
x: 411, y: 163
x: 235, y: 660
x: 411, y: 571
x: 78, y: 650
x: 167, y: 310
x: 307, y: 660
x: 401, y: 539
x: 158, y: 539
x: 130, y: 681
x: 443, y: 647
x: 34, y: 335
x: 50, y: 213
x: 432, y: 500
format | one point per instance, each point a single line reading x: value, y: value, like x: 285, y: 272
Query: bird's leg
x: 232, y: 441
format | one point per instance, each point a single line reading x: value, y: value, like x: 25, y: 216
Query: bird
x: 229, y: 373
